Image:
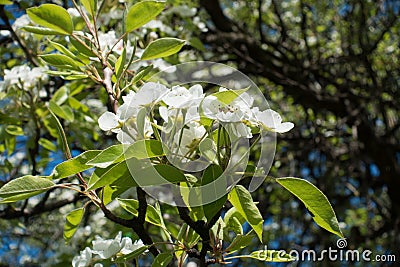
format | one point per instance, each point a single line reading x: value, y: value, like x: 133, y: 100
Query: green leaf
x: 240, y: 241
x: 142, y: 73
x: 47, y: 144
x: 108, y: 156
x: 81, y: 48
x: 142, y: 149
x: 52, y: 16
x: 132, y: 255
x: 62, y: 49
x: 162, y: 260
x: 40, y: 30
x: 90, y: 6
x: 14, y: 130
x: 162, y: 47
x: 74, y: 165
x: 315, y: 201
x: 72, y: 222
x: 158, y: 175
x: 119, y: 65
x: 210, y: 174
x: 64, y: 112
x: 60, y: 96
x: 241, y: 199
x: 132, y: 205
x: 24, y: 187
x: 114, y: 173
x: 5, y: 2
x: 266, y: 255
x: 226, y: 97
x: 141, y: 13
x: 59, y: 60
x: 141, y: 121
x: 61, y: 134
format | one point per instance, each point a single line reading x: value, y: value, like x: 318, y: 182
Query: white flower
x: 73, y: 12
x: 110, y: 247
x: 271, y: 121
x: 188, y: 140
x: 107, y: 248
x: 124, y: 124
x: 84, y: 259
x: 25, y: 76
x: 180, y: 97
x: 109, y: 40
x: 150, y: 93
x: 128, y: 247
x: 236, y: 111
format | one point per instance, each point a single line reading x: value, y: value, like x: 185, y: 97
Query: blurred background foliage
x: 331, y: 67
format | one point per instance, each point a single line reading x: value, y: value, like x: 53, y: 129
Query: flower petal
x: 108, y: 121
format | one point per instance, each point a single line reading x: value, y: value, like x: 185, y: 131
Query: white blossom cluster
x: 105, y: 249
x: 25, y: 77
x: 181, y: 108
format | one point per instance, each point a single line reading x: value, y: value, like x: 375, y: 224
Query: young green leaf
x: 141, y: 13
x: 132, y: 205
x: 162, y: 47
x: 5, y: 2
x: 158, y: 174
x: 162, y: 260
x: 90, y: 6
x: 74, y: 165
x: 62, y: 49
x: 40, y: 30
x: 239, y: 242
x: 132, y: 255
x: 120, y: 64
x: 64, y: 112
x: 24, y: 187
x: 315, y: 201
x: 82, y: 49
x: 241, y: 199
x: 62, y: 61
x: 228, y: 96
x: 108, y: 156
x: 52, y: 16
x: 114, y: 173
x: 14, y: 130
x: 47, y: 144
x: 142, y: 149
x: 72, y: 222
x: 210, y: 174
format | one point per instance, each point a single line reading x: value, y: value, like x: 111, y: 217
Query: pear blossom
x: 123, y: 123
x: 84, y: 259
x: 236, y: 111
x: 271, y: 120
x: 110, y: 247
x: 109, y: 40
x: 106, y: 248
x: 24, y: 75
x: 187, y: 140
x: 150, y: 93
x: 180, y: 97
